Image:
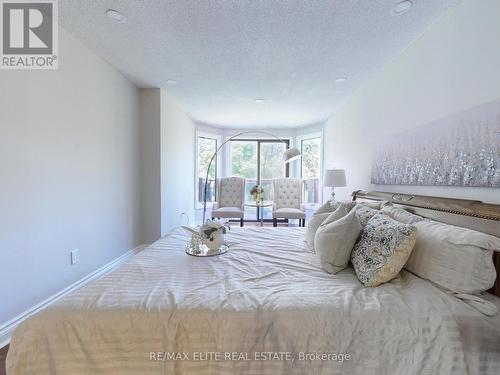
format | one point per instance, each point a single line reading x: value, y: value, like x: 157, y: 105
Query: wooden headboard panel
x: 470, y: 214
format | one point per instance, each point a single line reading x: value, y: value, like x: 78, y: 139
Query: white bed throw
x: 268, y: 294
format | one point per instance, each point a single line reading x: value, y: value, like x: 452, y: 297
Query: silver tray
x: 204, y: 251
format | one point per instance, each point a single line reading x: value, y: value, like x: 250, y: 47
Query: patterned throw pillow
x: 365, y: 213
x: 383, y: 249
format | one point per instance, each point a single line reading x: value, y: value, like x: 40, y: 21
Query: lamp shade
x: 291, y: 154
x: 334, y: 178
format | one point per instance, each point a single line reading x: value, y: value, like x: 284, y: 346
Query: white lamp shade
x: 291, y: 154
x: 334, y: 178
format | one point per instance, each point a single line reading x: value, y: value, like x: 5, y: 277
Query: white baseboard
x: 7, y: 328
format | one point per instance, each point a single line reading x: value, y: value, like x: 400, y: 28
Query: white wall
x: 453, y: 66
x: 150, y: 120
x: 69, y: 174
x: 177, y: 164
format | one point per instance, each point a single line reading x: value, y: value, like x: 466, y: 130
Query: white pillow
x: 455, y: 258
x: 401, y: 215
x: 334, y: 242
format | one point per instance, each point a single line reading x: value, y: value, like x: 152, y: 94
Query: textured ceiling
x: 226, y: 54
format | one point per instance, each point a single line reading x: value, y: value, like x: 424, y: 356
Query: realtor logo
x: 29, y: 34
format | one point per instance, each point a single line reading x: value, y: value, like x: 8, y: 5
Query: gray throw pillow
x: 320, y: 218
x: 334, y: 242
x: 314, y: 222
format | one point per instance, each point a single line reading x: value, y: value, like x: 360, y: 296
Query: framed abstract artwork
x: 460, y: 150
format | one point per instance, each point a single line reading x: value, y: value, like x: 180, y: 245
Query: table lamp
x: 334, y: 178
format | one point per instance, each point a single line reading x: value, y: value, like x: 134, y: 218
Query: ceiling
x: 225, y: 54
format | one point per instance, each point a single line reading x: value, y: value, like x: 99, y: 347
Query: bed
x: 265, y: 307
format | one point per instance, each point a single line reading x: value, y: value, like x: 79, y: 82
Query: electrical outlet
x: 75, y: 256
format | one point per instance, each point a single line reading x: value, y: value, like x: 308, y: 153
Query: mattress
x: 265, y: 307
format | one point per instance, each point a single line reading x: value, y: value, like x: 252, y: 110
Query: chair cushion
x: 289, y: 213
x: 231, y: 191
x: 228, y: 212
x: 287, y: 193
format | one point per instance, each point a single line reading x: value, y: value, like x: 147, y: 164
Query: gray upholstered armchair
x: 288, y: 200
x: 230, y: 199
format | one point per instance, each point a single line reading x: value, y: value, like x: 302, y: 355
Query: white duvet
x: 259, y: 309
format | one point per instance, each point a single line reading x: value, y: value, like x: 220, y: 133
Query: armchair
x: 230, y: 199
x: 288, y: 200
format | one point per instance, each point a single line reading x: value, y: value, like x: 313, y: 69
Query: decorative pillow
x: 401, y: 215
x: 377, y: 205
x: 328, y: 207
x: 365, y: 214
x: 455, y: 258
x: 342, y: 210
x: 314, y: 222
x: 333, y: 242
x: 318, y: 219
x: 383, y: 249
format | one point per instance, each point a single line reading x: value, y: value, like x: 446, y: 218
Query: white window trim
x: 219, y: 139
x: 298, y: 167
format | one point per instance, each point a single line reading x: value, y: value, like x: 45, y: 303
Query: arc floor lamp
x: 290, y: 154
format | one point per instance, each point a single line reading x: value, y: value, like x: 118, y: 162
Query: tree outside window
x: 311, y: 168
x: 206, y: 147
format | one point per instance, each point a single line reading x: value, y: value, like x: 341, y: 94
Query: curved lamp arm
x: 295, y: 154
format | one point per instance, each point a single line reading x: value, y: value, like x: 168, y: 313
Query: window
x: 244, y: 163
x: 205, y: 148
x: 259, y: 161
x: 311, y: 169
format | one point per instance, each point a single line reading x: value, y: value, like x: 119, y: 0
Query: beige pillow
x: 333, y: 242
x: 401, y: 215
x: 454, y: 258
x: 314, y: 222
x: 383, y: 249
x: 377, y: 205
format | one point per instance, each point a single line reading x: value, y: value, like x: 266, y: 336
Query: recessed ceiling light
x: 259, y: 100
x: 401, y: 7
x: 340, y: 80
x: 116, y: 16
x: 171, y: 81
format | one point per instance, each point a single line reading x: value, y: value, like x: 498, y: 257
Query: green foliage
x: 244, y: 159
x: 310, y: 158
x: 206, y: 148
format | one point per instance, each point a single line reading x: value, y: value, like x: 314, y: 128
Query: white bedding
x: 268, y: 294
